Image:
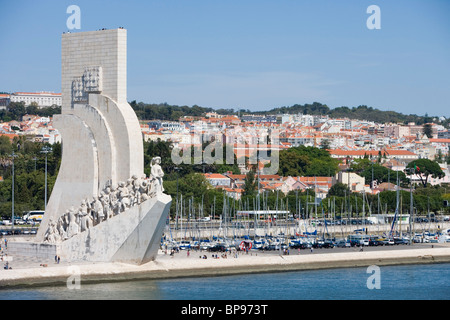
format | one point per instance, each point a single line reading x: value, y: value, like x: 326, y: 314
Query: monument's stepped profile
x: 102, y: 207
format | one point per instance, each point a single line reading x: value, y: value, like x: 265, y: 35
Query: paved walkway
x: 25, y: 262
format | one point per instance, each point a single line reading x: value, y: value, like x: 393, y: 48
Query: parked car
x: 19, y: 221
x: 328, y: 244
x: 400, y: 241
x: 300, y: 245
x: 7, y: 222
x: 276, y: 246
x: 375, y: 242
x: 218, y: 248
x: 343, y: 244
x: 383, y: 241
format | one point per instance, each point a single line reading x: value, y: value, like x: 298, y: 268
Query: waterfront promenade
x: 27, y: 271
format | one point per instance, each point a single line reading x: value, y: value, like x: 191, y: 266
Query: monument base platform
x: 29, y: 248
x: 133, y: 236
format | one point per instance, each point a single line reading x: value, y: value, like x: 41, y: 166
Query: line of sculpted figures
x: 111, y: 201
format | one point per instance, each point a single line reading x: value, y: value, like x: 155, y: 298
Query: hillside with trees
x: 164, y: 111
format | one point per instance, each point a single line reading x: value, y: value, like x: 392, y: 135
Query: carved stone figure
x: 143, y: 190
x: 84, y: 216
x: 73, y: 228
x: 62, y: 227
x: 97, y: 209
x: 124, y: 197
x: 136, y: 189
x: 111, y: 201
x: 114, y: 200
x: 131, y: 193
x: 106, y: 202
x: 51, y: 234
x: 156, y: 175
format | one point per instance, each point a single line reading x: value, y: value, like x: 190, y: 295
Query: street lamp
x: 177, y: 169
x: 46, y: 150
x: 12, y: 190
x: 411, y: 209
x: 34, y: 159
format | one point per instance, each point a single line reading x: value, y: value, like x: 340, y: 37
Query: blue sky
x: 251, y: 54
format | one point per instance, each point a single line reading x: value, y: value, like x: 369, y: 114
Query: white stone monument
x: 102, y: 207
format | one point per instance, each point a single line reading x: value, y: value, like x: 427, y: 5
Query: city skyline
x: 256, y: 55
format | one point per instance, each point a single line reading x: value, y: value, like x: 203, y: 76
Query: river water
x: 408, y: 282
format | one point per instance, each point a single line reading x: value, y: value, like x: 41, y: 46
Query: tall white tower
x: 101, y: 136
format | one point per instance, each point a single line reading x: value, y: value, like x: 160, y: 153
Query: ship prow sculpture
x: 102, y: 208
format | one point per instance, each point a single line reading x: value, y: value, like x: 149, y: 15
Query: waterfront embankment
x: 28, y: 272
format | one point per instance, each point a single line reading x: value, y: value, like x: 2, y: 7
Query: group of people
x: 215, y: 256
x: 110, y: 202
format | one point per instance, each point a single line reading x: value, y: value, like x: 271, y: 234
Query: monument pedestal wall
x: 127, y: 237
x: 32, y: 249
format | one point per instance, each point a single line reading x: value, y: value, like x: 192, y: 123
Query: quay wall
x: 194, y: 267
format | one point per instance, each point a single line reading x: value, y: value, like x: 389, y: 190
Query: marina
x: 284, y: 236
x: 237, y: 229
x: 252, y: 224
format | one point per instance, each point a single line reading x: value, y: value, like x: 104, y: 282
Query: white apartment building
x: 397, y: 131
x: 43, y: 99
x: 355, y: 182
x: 217, y: 179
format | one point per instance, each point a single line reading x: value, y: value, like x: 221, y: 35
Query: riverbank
x: 26, y: 272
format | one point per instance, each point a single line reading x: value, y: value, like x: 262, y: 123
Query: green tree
x: 16, y: 110
x: 193, y: 184
x: 427, y: 130
x: 424, y: 168
x: 307, y: 161
x: 325, y: 144
x: 5, y: 146
x: 291, y: 163
x: 339, y: 190
x: 251, y: 184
